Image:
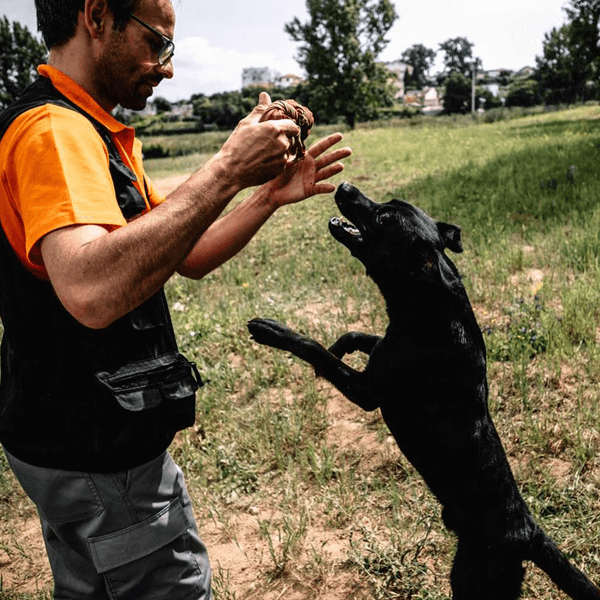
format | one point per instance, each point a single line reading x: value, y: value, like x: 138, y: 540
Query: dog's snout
x: 345, y: 189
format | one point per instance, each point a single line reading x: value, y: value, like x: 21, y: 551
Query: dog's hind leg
x: 354, y: 341
x: 480, y: 573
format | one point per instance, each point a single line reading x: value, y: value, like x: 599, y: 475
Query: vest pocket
x: 146, y: 384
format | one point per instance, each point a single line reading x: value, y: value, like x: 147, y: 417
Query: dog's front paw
x: 270, y: 333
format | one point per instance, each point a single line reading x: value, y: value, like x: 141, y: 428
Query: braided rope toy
x: 290, y: 109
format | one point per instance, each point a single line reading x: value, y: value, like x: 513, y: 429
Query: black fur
x: 428, y: 377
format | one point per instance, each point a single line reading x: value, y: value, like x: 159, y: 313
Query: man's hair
x: 57, y: 19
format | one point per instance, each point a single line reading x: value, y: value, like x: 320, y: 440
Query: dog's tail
x: 546, y: 555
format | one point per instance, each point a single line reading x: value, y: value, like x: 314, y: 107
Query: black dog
x: 428, y: 377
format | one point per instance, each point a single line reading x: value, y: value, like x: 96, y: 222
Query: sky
x: 216, y: 39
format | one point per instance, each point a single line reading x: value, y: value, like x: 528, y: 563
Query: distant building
x: 431, y: 98
x: 398, y: 70
x: 525, y: 73
x: 257, y: 77
x: 181, y: 110
x: 493, y: 74
x: 427, y: 98
x: 288, y: 80
x: 265, y: 78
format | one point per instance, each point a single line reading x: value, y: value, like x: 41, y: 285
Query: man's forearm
x: 228, y: 235
x: 101, y: 276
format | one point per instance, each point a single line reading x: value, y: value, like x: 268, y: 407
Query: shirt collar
x: 74, y: 92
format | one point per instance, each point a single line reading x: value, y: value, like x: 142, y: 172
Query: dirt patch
x: 168, y: 184
x: 533, y: 279
x: 24, y: 566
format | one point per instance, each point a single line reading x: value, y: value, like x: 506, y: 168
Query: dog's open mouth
x: 345, y: 232
x: 347, y: 227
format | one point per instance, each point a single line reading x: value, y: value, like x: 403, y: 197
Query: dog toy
x: 290, y: 109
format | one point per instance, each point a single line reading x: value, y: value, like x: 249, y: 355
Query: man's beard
x: 120, y: 84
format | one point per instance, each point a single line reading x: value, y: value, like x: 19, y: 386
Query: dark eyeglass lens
x: 166, y: 53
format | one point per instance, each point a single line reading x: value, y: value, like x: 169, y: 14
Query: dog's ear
x: 450, y: 235
x: 436, y: 269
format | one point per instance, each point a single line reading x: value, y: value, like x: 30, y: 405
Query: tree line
x: 339, y: 49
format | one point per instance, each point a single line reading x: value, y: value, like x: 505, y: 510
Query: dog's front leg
x: 353, y: 384
x: 354, y: 341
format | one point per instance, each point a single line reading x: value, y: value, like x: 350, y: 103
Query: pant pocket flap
x: 122, y: 547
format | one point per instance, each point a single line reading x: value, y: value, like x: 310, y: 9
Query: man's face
x: 127, y: 69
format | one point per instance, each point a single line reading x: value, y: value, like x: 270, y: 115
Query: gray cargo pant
x: 120, y: 536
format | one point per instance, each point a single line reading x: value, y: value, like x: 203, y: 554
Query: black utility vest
x: 76, y: 398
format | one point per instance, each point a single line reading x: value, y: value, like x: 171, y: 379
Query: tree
x: 20, y: 54
x: 457, y: 94
x: 421, y: 60
x: 584, y: 16
x: 570, y: 64
x: 223, y: 110
x: 557, y: 72
x: 523, y: 92
x: 339, y: 48
x: 458, y: 56
x: 162, y: 105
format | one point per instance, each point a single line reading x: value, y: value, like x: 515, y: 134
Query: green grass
x: 298, y: 493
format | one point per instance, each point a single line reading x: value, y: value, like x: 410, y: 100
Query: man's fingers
x: 323, y: 188
x: 332, y: 157
x: 324, y: 144
x: 264, y: 99
x: 329, y: 171
x: 285, y: 127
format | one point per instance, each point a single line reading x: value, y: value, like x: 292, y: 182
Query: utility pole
x: 473, y: 85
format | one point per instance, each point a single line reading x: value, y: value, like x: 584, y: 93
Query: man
x: 93, y: 387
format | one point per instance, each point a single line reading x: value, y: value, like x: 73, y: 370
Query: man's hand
x: 305, y: 179
x: 258, y: 152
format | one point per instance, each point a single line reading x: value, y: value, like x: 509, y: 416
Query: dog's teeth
x: 347, y: 227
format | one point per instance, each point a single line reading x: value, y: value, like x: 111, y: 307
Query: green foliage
x: 584, y: 18
x: 458, y: 56
x: 457, y: 94
x: 485, y: 99
x: 161, y: 104
x: 523, y: 336
x: 523, y: 92
x: 557, y: 71
x: 339, y: 48
x: 569, y: 67
x: 223, y: 110
x: 20, y: 54
x: 421, y: 60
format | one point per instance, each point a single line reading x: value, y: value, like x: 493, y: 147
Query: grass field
x: 298, y: 493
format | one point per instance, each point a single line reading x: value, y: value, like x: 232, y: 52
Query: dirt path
x: 168, y: 184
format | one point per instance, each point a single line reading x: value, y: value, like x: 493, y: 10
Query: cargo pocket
x: 152, y: 559
x: 163, y: 386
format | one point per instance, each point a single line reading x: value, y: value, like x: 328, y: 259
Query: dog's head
x: 395, y: 239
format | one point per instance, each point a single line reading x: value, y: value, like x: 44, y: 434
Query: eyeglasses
x: 168, y: 49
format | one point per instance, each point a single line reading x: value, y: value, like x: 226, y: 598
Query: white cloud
x: 202, y: 68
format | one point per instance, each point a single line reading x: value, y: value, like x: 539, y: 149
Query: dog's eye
x: 385, y: 218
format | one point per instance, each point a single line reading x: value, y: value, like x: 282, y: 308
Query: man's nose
x: 167, y: 70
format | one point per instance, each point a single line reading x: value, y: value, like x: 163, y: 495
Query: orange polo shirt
x: 54, y: 171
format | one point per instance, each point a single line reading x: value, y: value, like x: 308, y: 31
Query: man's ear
x: 95, y: 13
